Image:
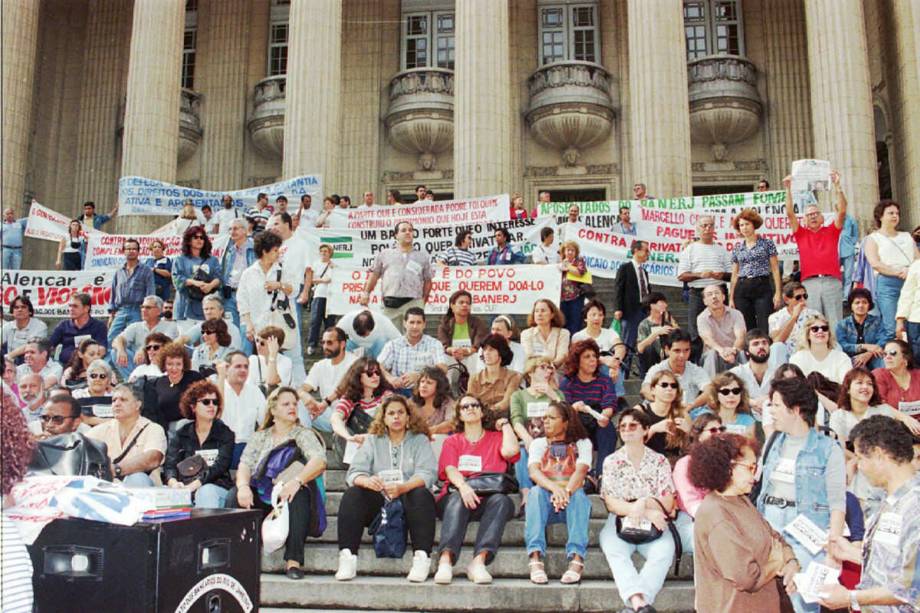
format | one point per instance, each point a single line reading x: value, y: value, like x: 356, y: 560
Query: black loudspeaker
x: 209, y: 563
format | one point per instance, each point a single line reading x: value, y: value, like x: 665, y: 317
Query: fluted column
x: 659, y: 102
x: 906, y: 23
x: 482, y: 99
x: 788, y: 114
x: 151, y: 137
x: 841, y: 97
x: 20, y: 40
x: 96, y: 174
x: 314, y: 82
x: 222, y: 53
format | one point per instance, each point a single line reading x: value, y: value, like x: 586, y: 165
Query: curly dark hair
x: 574, y: 429
x: 15, y: 444
x: 195, y: 392
x: 711, y: 461
x: 860, y: 372
x: 488, y: 416
x: 350, y: 387
x: 499, y: 344
x: 265, y: 242
x: 886, y: 434
x: 699, y: 425
x: 187, y: 242
x: 570, y: 367
x: 905, y: 351
x: 154, y: 337
x: 442, y: 386
x: 879, y: 210
x: 416, y: 422
x: 173, y: 350
x: 219, y: 327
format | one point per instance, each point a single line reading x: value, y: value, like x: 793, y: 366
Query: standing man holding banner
x: 91, y: 220
x: 630, y: 287
x: 819, y: 252
x: 131, y: 284
x: 701, y: 264
x: 406, y: 274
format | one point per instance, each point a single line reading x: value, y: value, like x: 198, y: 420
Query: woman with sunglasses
x: 214, y: 346
x: 899, y: 380
x: 689, y: 496
x: 205, y: 436
x: 432, y: 402
x: 474, y: 450
x: 88, y: 351
x: 196, y: 273
x: 818, y: 351
x: 395, y: 462
x: 360, y: 395
x: 96, y: 397
x: 495, y: 383
x: 150, y: 357
x: 559, y: 463
x: 528, y: 406
x: 737, y: 555
x: 728, y: 398
x: 636, y: 488
x: 667, y: 419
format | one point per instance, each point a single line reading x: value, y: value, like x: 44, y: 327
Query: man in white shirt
x: 226, y: 214
x: 296, y: 261
x: 37, y: 361
x: 693, y: 379
x: 244, y: 403
x: 722, y: 330
x: 757, y: 373
x: 702, y: 263
x: 786, y: 324
x: 368, y: 331
x: 325, y: 377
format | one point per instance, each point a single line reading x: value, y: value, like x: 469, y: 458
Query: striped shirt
x: 16, y: 570
x: 697, y: 258
x: 597, y: 393
x: 455, y: 256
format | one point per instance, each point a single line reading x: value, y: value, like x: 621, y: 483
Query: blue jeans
x: 210, y: 496
x: 887, y: 292
x: 540, y: 514
x: 318, y: 321
x: 779, y: 518
x: 658, y: 557
x: 126, y: 371
x: 605, y: 442
x: 913, y: 337
x: 246, y: 344
x: 138, y: 480
x: 371, y: 351
x: 521, y: 472
x: 848, y: 263
x: 234, y: 311
x: 684, y: 525
x: 572, y: 311
x: 12, y: 258
x: 124, y: 316
x: 323, y: 422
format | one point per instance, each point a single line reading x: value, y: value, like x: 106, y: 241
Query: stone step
x: 323, y: 558
x: 502, y: 596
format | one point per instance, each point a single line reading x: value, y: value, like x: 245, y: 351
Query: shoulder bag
x: 280, y: 316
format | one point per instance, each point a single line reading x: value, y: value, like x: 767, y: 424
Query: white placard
x: 208, y: 455
x: 351, y: 448
x: 815, y: 576
x: 806, y: 532
x: 536, y: 410
x: 811, y: 175
x: 469, y: 464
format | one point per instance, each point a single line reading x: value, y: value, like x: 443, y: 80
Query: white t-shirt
x: 224, y: 217
x: 692, y: 382
x: 605, y: 340
x: 842, y: 422
x: 539, y: 445
x: 51, y: 369
x: 834, y: 366
x: 326, y: 376
x: 778, y: 319
x: 322, y: 270
x: 16, y: 338
x: 383, y: 331
x: 296, y: 258
x: 697, y: 258
x: 243, y: 413
x: 285, y: 367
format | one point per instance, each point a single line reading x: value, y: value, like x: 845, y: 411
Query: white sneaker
x: 421, y: 566
x: 348, y: 566
x: 445, y: 574
x: 477, y: 573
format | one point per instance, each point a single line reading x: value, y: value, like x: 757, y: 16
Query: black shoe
x: 295, y: 573
x: 646, y: 609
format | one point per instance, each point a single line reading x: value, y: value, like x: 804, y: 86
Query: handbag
x: 271, y: 466
x: 194, y: 292
x: 485, y: 484
x: 642, y: 533
x: 280, y: 317
x: 71, y: 454
x: 277, y: 523
x: 758, y: 484
x: 317, y: 521
x: 191, y: 468
x: 390, y: 530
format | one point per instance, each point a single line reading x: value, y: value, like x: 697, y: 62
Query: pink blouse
x: 689, y: 496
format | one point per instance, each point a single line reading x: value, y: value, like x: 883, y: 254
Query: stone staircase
x: 381, y: 584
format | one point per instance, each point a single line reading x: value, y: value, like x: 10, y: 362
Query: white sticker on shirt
x: 784, y: 471
x: 888, y: 531
x: 414, y: 267
x: 736, y: 429
x: 103, y: 411
x: 536, y: 409
x: 208, y: 455
x: 910, y: 408
x: 78, y: 339
x: 470, y: 464
x: 462, y: 342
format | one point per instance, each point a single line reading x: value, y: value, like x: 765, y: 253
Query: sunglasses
x: 629, y: 426
x: 801, y: 297
x: 372, y: 372
x: 824, y: 328
x: 665, y: 385
x: 57, y: 420
x: 893, y: 353
x: 715, y: 429
x: 97, y: 375
x: 209, y: 402
x: 733, y: 391
x: 470, y: 405
x: 152, y: 347
x: 199, y: 237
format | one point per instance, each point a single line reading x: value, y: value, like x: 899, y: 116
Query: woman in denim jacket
x: 804, y: 474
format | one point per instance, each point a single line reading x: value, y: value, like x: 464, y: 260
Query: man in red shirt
x: 819, y: 256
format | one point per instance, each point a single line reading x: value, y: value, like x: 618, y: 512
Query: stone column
x: 151, y: 136
x: 20, y: 39
x: 841, y: 98
x: 788, y: 118
x: 312, y: 118
x: 906, y: 23
x: 482, y: 99
x: 223, y: 40
x: 658, y: 98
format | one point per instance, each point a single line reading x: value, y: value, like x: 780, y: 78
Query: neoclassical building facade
x: 470, y: 97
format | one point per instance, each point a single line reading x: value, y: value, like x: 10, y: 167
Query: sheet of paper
x: 806, y: 532
x: 816, y: 575
x: 811, y: 175
x: 351, y: 448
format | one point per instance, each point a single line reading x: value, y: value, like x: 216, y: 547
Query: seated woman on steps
x: 395, y: 461
x: 558, y: 464
x: 473, y: 465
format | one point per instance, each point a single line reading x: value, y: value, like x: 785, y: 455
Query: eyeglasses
x: 823, y: 328
x: 629, y: 426
x: 149, y: 306
x: 750, y: 467
x: 733, y: 391
x: 893, y: 353
x: 198, y: 237
x: 209, y: 402
x: 665, y: 385
x: 57, y: 420
x: 152, y: 347
x: 468, y: 406
x: 801, y: 297
x: 715, y: 429
x: 98, y: 375
x: 372, y: 372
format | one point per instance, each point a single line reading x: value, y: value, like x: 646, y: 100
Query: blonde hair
x: 571, y: 244
x: 272, y: 401
x: 805, y: 340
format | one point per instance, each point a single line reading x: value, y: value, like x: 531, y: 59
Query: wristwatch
x: 854, y: 604
x: 117, y: 470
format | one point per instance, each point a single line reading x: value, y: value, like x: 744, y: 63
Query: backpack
x: 71, y: 454
x: 390, y: 530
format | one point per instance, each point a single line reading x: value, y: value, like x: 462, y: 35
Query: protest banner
x: 423, y: 213
x: 47, y: 224
x: 141, y: 196
x: 495, y: 289
x: 51, y: 290
x: 105, y: 251
x: 359, y: 247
